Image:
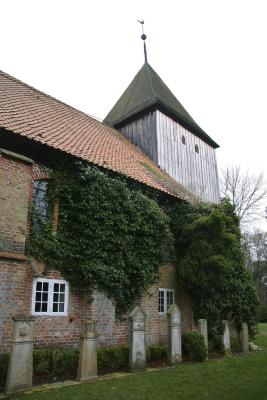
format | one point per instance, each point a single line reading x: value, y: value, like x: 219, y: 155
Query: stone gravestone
x: 137, y: 355
x: 19, y: 374
x: 245, y: 337
x: 226, y: 338
x: 203, y: 330
x: 174, y: 335
x: 88, y: 356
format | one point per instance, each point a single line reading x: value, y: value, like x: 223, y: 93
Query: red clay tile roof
x: 37, y: 116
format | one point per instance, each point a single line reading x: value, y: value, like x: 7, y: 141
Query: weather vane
x: 143, y: 37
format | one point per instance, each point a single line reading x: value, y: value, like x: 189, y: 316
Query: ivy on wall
x: 113, y: 233
x: 108, y: 237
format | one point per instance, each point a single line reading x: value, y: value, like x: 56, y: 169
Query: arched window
x: 196, y: 148
x: 183, y: 139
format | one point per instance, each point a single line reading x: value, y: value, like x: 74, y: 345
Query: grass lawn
x: 230, y: 378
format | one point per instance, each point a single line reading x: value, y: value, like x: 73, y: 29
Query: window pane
x: 45, y: 286
x: 62, y: 298
x: 38, y: 296
x: 55, y: 307
x: 44, y: 307
x: 56, y: 287
x: 39, y: 286
x: 61, y: 307
x: 37, y: 307
x: 55, y: 297
x: 62, y: 287
x: 44, y: 296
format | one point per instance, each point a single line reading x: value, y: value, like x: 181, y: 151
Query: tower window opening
x: 183, y: 139
x: 196, y: 148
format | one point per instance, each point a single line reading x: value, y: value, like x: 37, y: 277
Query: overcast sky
x: 211, y: 54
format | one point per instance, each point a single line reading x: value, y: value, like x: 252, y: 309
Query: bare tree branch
x: 245, y: 191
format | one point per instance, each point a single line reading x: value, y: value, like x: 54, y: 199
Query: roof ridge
x: 151, y: 82
x: 12, y: 78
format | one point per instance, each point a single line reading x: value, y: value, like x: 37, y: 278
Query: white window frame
x: 165, y: 306
x: 51, y: 283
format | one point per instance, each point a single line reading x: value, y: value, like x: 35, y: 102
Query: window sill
x: 49, y: 314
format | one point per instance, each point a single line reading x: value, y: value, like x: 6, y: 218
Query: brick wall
x: 113, y: 332
x: 15, y: 184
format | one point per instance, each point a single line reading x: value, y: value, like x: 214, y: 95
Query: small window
x: 166, y: 299
x: 39, y: 204
x: 49, y: 297
x: 183, y: 139
x: 196, y: 148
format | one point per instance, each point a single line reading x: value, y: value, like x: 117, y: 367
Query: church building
x: 149, y: 137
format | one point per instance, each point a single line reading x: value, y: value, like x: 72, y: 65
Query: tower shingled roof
x: 147, y: 91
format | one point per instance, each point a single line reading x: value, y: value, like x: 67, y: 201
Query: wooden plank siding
x: 196, y: 171
x: 142, y: 133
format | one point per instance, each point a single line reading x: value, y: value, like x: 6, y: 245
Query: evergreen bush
x: 112, y: 359
x: 59, y: 364
x: 193, y: 345
x: 157, y: 353
x: 215, y: 344
x: 236, y: 346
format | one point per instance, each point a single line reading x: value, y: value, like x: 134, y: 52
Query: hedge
x: 58, y: 364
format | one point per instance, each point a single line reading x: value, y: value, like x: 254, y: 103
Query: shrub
x: 54, y: 364
x: 59, y: 364
x: 4, y: 357
x: 215, y: 344
x: 112, y: 359
x: 211, y: 263
x: 236, y: 346
x: 193, y: 345
x: 157, y: 353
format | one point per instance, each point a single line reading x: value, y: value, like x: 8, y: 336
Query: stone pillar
x: 137, y: 355
x: 226, y: 338
x: 203, y: 330
x: 174, y: 335
x: 245, y: 337
x: 88, y: 356
x: 19, y: 374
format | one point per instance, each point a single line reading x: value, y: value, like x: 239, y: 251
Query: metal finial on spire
x: 143, y: 37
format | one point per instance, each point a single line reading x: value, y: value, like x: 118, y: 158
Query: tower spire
x: 143, y: 37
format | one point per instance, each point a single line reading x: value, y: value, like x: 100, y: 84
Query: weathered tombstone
x: 137, y: 355
x: 203, y: 330
x: 174, y: 335
x: 226, y: 338
x: 88, y: 356
x: 19, y: 374
x: 245, y: 337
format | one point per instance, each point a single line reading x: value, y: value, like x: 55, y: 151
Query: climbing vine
x: 108, y: 237
x: 112, y: 235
